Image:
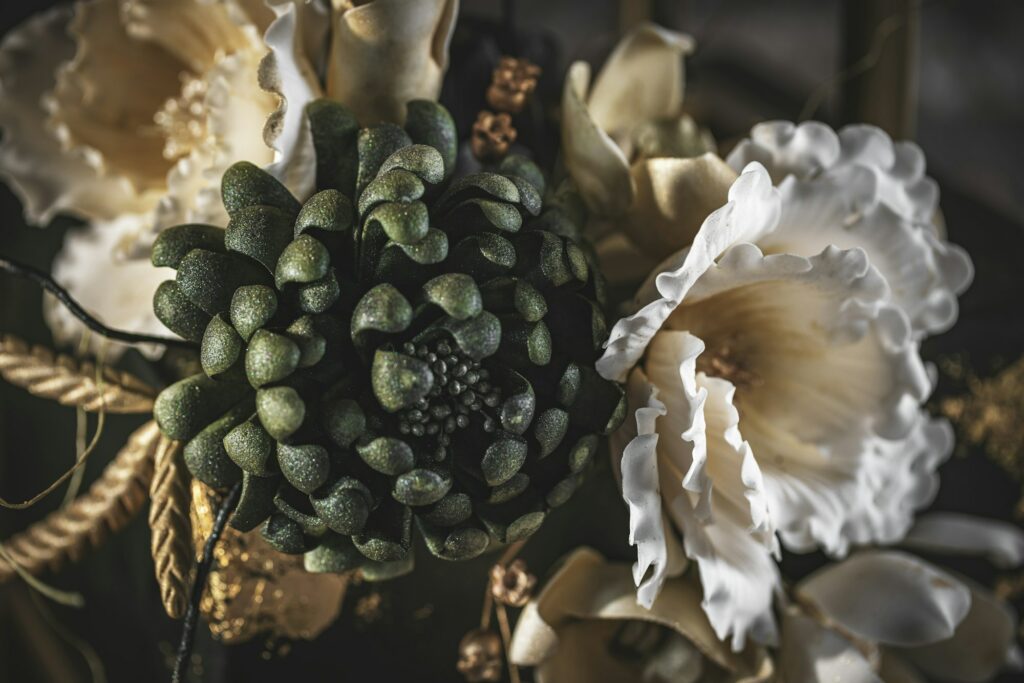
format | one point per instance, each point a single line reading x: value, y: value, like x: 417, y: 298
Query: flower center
x: 182, y: 119
x: 462, y: 389
x: 721, y: 362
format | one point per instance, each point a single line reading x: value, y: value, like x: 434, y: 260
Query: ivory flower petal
x: 889, y: 597
x: 47, y: 177
x: 118, y: 292
x: 642, y: 81
x: 578, y: 626
x: 858, y: 188
x: 1002, y: 543
x: 812, y: 652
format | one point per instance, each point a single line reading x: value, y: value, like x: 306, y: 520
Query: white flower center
x: 182, y: 119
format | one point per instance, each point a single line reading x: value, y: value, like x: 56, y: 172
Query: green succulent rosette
x: 403, y: 348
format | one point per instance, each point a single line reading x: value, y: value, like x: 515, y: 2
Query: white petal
x: 899, y: 167
x: 385, y: 53
x: 639, y: 468
x: 949, y: 532
x: 752, y: 210
x: 890, y: 598
x: 117, y: 292
x: 596, y: 164
x: 534, y: 639
x: 980, y: 647
x: 287, y: 70
x: 899, y: 479
x: 642, y: 79
x: 47, y: 178
x: 803, y: 150
x: 844, y: 209
x: 812, y: 653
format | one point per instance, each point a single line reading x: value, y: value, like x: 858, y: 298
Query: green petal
x: 290, y: 504
x: 251, y: 308
x: 210, y: 279
x: 271, y: 357
x: 259, y: 232
x: 423, y: 160
x: 524, y: 344
x: 177, y: 312
x: 205, y: 456
x: 256, y: 501
x: 343, y: 420
x: 421, y: 486
x: 502, y: 460
x: 327, y: 210
x: 406, y: 223
x: 583, y: 452
x: 396, y: 185
x: 484, y: 256
x: 463, y: 543
x: 244, y: 184
x: 334, y: 555
x: 430, y: 250
x: 549, y: 429
x: 399, y: 380
x: 381, y: 309
x: 562, y: 491
x: 281, y: 411
x: 511, y: 489
x: 173, y: 243
x: 305, y: 467
x: 387, y: 455
x: 428, y: 123
x: 312, y: 345
x: 344, y: 505
x: 304, y: 260
x: 481, y: 185
x: 184, y: 408
x: 519, y: 405
x: 251, y: 448
x: 284, y: 534
x: 375, y: 145
x: 477, y: 337
x: 456, y: 294
x: 387, y: 537
x: 319, y: 296
x: 335, y: 134
x: 518, y: 165
x: 221, y: 347
x: 479, y: 215
x: 454, y: 508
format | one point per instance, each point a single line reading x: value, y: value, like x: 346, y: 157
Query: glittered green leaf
x: 456, y: 294
x: 335, y: 133
x: 281, y: 411
x: 304, y: 260
x: 477, y: 337
x: 344, y: 505
x: 478, y: 185
x: 244, y: 184
x: 312, y: 345
x: 293, y: 505
x: 173, y: 243
x: 327, y: 210
x: 387, y: 536
x: 256, y: 501
x: 382, y: 309
x: 187, y: 406
x: 399, y: 380
x: 454, y: 508
x: 520, y: 166
x: 221, y: 347
x: 502, y: 460
x: 484, y: 256
x: 519, y: 405
x: 376, y: 144
x: 320, y: 295
x: 423, y: 160
x: 397, y: 185
x: 204, y: 454
x: 305, y: 467
x: 259, y: 232
x: 343, y: 420
x: 387, y: 455
x: 250, y: 447
x: 428, y: 123
x: 421, y: 486
x: 251, y: 308
x: 524, y: 344
x: 271, y: 357
x: 562, y: 491
x: 406, y: 223
x: 334, y: 555
x: 210, y: 279
x: 549, y: 429
x: 509, y: 490
x: 479, y: 215
x: 177, y: 312
x: 284, y: 534
x: 463, y: 543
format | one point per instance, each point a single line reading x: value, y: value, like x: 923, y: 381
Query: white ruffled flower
x: 891, y: 617
x: 776, y: 382
x: 127, y: 113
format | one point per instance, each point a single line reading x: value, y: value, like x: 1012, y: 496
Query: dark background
x: 755, y: 61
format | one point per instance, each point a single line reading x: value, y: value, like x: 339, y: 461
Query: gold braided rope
x: 171, y: 540
x: 112, y: 500
x: 70, y: 382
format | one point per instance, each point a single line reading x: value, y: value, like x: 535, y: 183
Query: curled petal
x: 949, y: 532
x: 980, y: 647
x: 811, y: 652
x: 48, y: 178
x: 594, y: 161
x: 752, y: 211
x: 803, y: 150
x: 889, y: 598
x: 642, y: 79
x: 673, y: 198
x: 118, y: 292
x: 385, y: 53
x: 288, y: 71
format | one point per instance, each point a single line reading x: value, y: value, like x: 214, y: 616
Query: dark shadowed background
x: 755, y: 61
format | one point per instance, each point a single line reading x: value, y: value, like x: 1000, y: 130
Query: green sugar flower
x: 402, y: 347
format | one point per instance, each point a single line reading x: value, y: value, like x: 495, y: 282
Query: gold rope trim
x: 70, y: 382
x: 112, y: 500
x: 171, y: 542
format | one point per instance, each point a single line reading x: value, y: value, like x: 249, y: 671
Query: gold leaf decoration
x: 70, y: 382
x: 253, y: 590
x: 109, y: 504
x: 169, y: 523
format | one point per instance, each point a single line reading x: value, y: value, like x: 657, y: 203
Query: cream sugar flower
x: 776, y: 382
x: 127, y: 112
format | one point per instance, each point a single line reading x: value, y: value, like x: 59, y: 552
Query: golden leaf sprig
x: 108, y: 505
x: 170, y: 527
x: 70, y: 382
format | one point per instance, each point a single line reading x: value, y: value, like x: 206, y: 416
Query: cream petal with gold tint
x: 859, y: 189
x: 586, y: 626
x: 1001, y: 543
x: 811, y: 653
x: 48, y: 177
x: 386, y: 52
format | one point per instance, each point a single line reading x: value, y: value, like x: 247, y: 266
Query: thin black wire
x: 188, y: 631
x: 50, y: 285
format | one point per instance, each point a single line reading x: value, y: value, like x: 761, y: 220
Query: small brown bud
x: 512, y: 585
x: 480, y: 657
x: 512, y: 83
x: 493, y: 134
